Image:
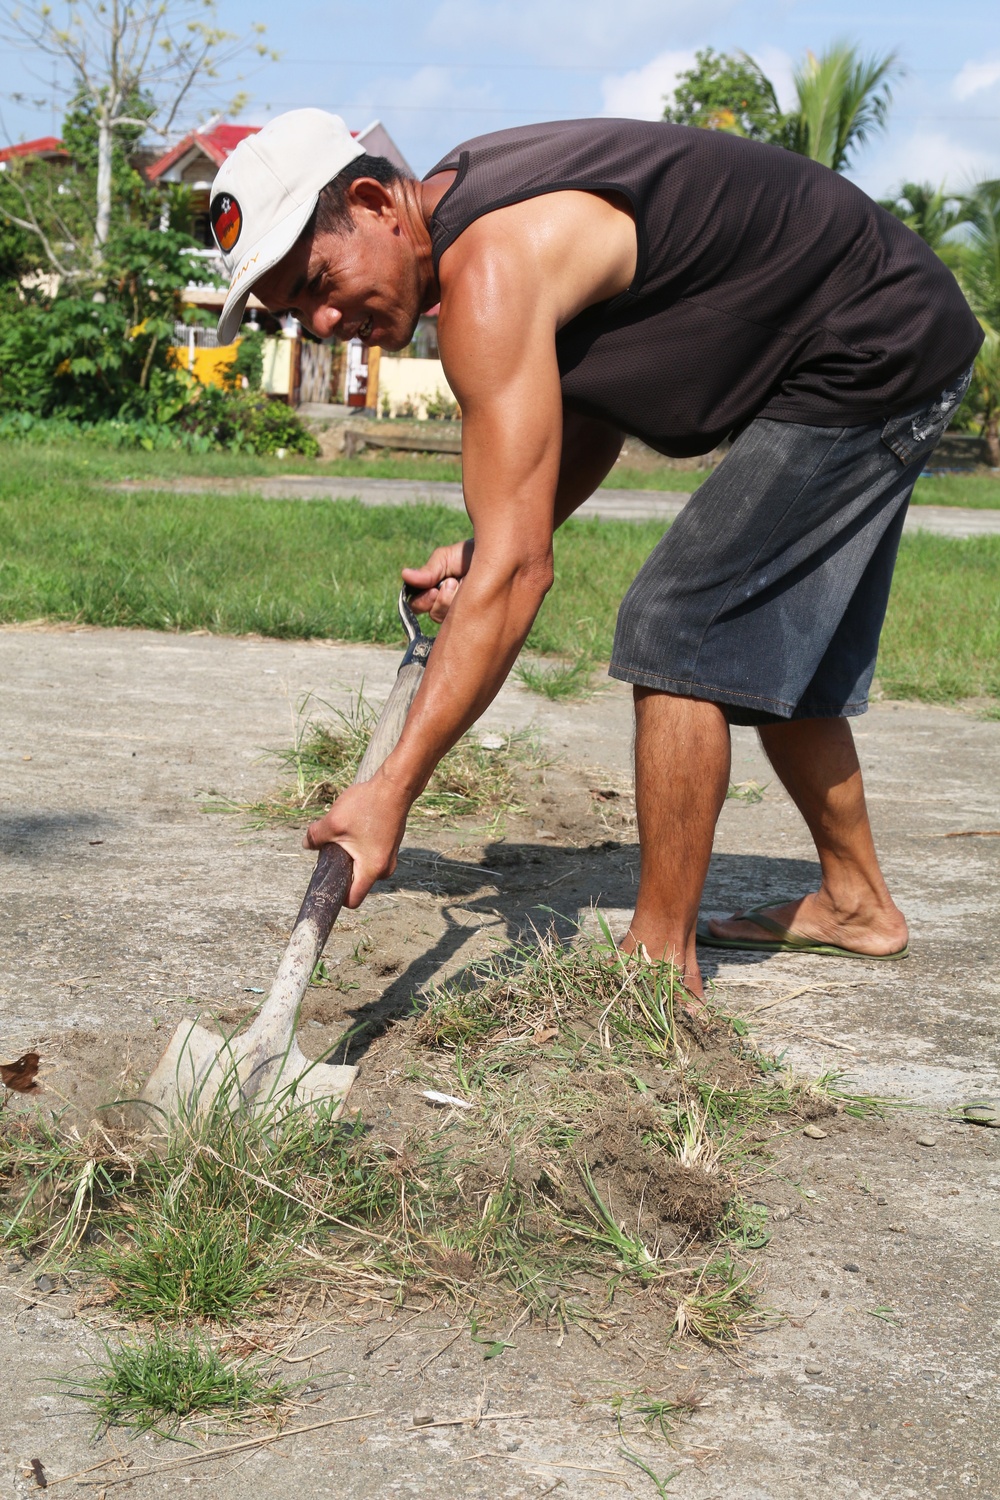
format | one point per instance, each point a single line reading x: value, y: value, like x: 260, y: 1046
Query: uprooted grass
x: 475, y: 778
x: 606, y: 1152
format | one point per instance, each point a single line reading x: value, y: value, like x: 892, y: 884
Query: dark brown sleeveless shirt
x: 766, y: 285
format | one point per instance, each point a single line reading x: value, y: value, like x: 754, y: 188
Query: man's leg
x: 818, y: 766
x: 682, y: 758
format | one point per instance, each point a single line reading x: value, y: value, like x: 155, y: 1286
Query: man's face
x: 363, y: 285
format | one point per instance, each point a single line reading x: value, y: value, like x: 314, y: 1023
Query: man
x: 604, y: 277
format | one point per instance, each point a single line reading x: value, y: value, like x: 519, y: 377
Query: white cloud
x: 779, y: 66
x: 974, y: 77
x: 573, y: 32
x: 924, y: 156
x: 428, y: 111
x: 640, y: 94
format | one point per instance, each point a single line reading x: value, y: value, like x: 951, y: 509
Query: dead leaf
x: 20, y: 1075
x: 548, y: 1034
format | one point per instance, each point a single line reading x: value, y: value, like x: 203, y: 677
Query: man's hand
x: 368, y: 821
x: 439, y: 579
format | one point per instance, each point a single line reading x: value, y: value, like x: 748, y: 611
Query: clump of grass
x: 156, y: 1385
x: 558, y: 680
x: 529, y: 988
x: 206, y: 1226
x: 474, y: 778
x: 722, y: 1305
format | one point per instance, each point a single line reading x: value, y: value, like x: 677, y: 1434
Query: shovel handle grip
x: 331, y: 879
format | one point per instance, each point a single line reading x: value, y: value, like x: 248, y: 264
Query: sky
x: 441, y: 72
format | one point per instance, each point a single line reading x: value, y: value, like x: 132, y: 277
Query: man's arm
x: 590, y: 449
x: 508, y: 284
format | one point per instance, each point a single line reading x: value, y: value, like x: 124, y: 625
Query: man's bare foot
x: 878, y: 929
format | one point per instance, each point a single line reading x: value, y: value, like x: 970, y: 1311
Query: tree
x: 136, y: 65
x: 726, y: 92
x: 933, y: 214
x: 842, y: 99
x: 979, y: 274
x: 101, y: 350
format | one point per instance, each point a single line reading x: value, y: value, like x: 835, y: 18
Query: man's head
x: 325, y: 232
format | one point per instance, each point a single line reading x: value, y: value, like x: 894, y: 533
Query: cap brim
x: 258, y: 260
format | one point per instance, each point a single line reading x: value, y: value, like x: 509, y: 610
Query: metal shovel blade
x: 263, y: 1069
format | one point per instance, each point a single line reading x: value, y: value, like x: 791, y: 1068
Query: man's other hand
x: 439, y: 579
x: 368, y: 821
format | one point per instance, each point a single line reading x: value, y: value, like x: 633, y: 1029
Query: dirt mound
x: 641, y: 1178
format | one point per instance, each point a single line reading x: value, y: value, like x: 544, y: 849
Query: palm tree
x: 843, y: 99
x: 930, y: 212
x: 979, y: 273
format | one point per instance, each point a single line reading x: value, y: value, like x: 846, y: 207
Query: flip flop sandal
x: 787, y: 941
x: 982, y: 1112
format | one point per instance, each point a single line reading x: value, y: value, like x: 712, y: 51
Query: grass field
x: 73, y: 550
x: 88, y: 462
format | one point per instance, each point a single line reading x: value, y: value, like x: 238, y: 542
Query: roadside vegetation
x: 107, y: 455
x: 240, y: 564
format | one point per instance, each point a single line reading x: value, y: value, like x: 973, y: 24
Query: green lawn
x: 979, y: 491
x: 89, y: 461
x: 71, y: 549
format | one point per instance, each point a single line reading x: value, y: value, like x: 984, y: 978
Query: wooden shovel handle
x: 331, y: 879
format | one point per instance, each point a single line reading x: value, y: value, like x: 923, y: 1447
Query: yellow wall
x: 277, y: 375
x: 208, y: 363
x: 410, y: 380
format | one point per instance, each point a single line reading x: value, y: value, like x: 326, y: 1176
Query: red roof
x: 46, y: 145
x: 216, y: 143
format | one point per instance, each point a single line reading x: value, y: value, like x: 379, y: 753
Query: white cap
x: 265, y: 192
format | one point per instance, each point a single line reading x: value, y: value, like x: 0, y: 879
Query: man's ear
x: 367, y: 196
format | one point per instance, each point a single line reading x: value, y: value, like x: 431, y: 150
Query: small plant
x: 722, y: 1305
x: 442, y: 408
x: 745, y: 791
x: 558, y: 680
x: 155, y: 1386
x: 654, y: 1410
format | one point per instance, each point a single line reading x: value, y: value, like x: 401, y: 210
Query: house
x: 46, y: 148
x: 194, y: 161
x: 289, y: 366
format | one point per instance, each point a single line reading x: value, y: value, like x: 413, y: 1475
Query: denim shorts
x: 768, y: 593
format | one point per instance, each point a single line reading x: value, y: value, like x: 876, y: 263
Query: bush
x: 246, y: 422
x: 210, y: 418
x: 98, y: 349
x: 249, y: 363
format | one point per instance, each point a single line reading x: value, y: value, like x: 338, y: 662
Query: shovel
x: 263, y: 1067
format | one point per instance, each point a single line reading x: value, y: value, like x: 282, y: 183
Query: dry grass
x: 475, y: 779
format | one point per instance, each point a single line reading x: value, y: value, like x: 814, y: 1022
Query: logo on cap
x: 227, y: 220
